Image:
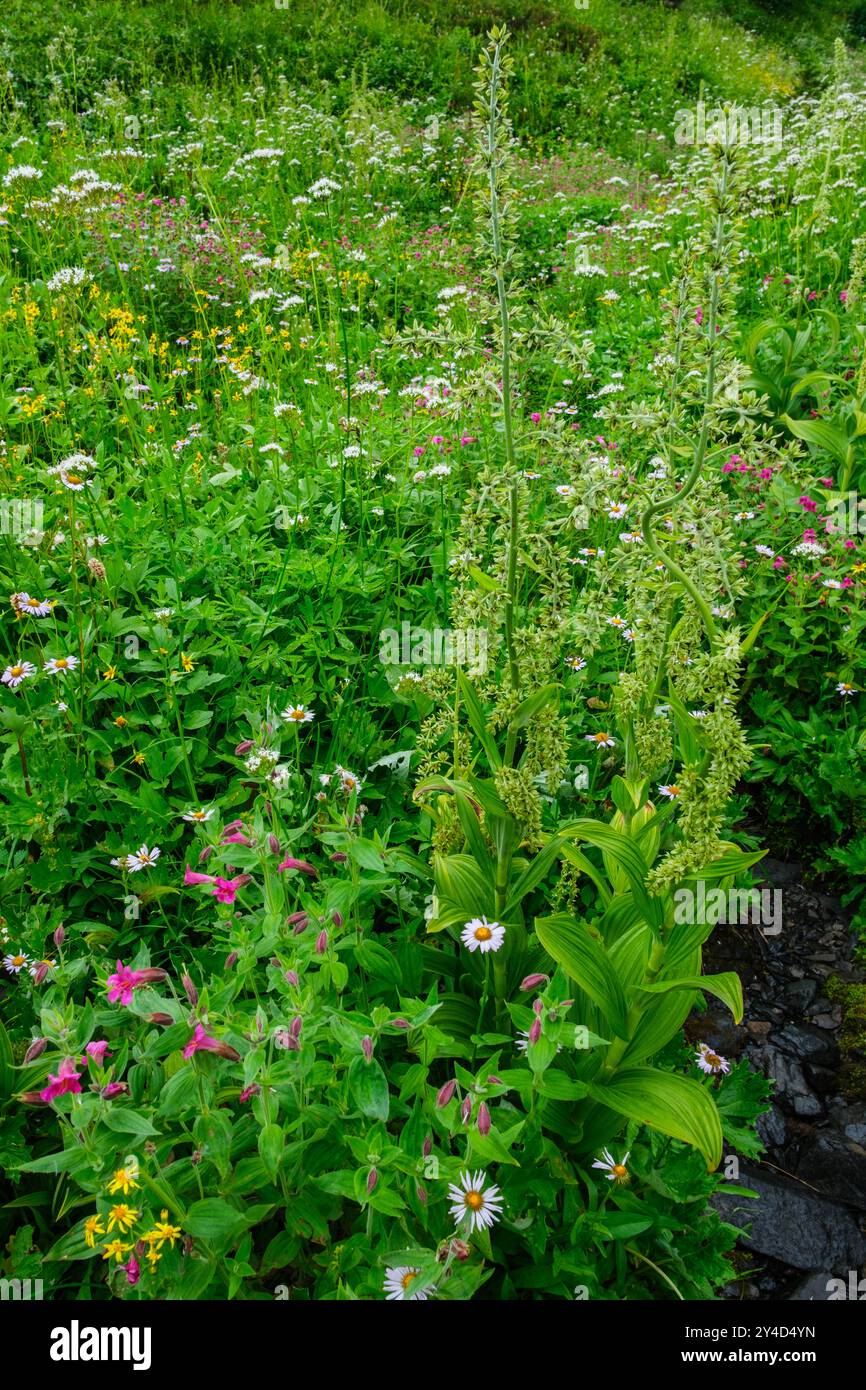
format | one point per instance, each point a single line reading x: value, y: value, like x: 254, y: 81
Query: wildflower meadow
x: 433, y: 789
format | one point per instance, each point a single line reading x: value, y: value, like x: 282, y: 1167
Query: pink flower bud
x: 231, y: 959
x: 400, y: 1023
x: 321, y: 943
x: 466, y: 1110
x: 205, y: 853
x: 535, y: 1031
x: 249, y: 1091
x: 59, y: 935
x: 36, y: 1049
x: 40, y: 972
x: 427, y: 1147
x: 367, y: 1048
x: 295, y: 1026
x: 483, y: 1121
x: 273, y: 844
x: 243, y: 747
x: 233, y: 825
x: 421, y: 1193
x: 114, y: 1088
x: 189, y: 989
x: 445, y: 1094
x: 162, y: 1019
x: 533, y: 981
x: 495, y: 1081
x: 292, y: 977
x: 537, y: 1007
x: 295, y: 918
x: 339, y: 857
x: 372, y: 1179
x: 300, y: 864
x: 337, y: 919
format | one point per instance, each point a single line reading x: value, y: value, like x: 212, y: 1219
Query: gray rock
x: 812, y: 1289
x: 836, y: 1165
x: 792, y: 1090
x: 808, y: 1044
x: 772, y: 1127
x: 789, y: 1223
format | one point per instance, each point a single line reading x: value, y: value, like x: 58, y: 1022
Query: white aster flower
x: 481, y: 935
x: 398, y: 1285
x: 473, y: 1202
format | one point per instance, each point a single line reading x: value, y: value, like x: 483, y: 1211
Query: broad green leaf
x: 726, y: 987
x: 675, y: 1105
x: 585, y: 961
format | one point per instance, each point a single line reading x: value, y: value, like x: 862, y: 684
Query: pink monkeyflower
x: 133, y: 1270
x: 300, y: 864
x: 535, y: 416
x: 807, y: 504
x: 226, y: 889
x: 114, y: 1088
x: 201, y: 1041
x: 96, y: 1052
x: 124, y: 981
x: 249, y: 1091
x: 191, y: 878
x: 67, y: 1081
x: 236, y: 838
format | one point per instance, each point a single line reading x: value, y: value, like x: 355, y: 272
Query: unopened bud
x: 273, y: 844
x: 483, y: 1121
x: 205, y: 853
x: 537, y: 1007
x: 321, y: 943
x: 292, y: 977
x: 337, y: 919
x: 427, y: 1147
x: 445, y: 1094
x: 243, y: 747
x: 189, y: 989
x: 372, y: 1179
x: 339, y: 857
x: 466, y: 1110
x: 59, y: 935
x: 367, y: 1048
x: 36, y: 1049
x: 163, y: 1019
x: 533, y: 981
x: 421, y: 1193
x: 231, y: 959
x: 535, y: 1031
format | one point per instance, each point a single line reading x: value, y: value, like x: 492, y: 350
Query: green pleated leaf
x: 585, y: 961
x: 726, y: 987
x: 675, y: 1105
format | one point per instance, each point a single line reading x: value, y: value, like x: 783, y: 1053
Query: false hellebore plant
x: 628, y: 973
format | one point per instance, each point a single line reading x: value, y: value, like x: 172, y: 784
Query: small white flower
x: 671, y: 792
x: 615, y: 1172
x: 481, y: 935
x: 711, y: 1062
x: 15, y: 963
x: 14, y: 675
x: 843, y: 688
x: 297, y: 714
x: 601, y: 739
x: 398, y: 1285
x: 576, y: 663
x: 143, y: 858
x: 472, y: 1202
x: 36, y: 607
x: 59, y: 665
x: 198, y: 817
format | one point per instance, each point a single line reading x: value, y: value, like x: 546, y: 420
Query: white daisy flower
x: 615, y: 1172
x: 297, y: 714
x: 601, y: 739
x: 843, y: 688
x: 36, y: 607
x: 198, y: 817
x: 670, y: 791
x: 14, y: 675
x: 615, y: 510
x: 143, y: 858
x: 481, y: 935
x: 15, y: 963
x: 348, y: 781
x: 711, y: 1062
x: 398, y: 1285
x: 59, y: 665
x: 576, y: 663
x: 472, y: 1202
x: 616, y: 621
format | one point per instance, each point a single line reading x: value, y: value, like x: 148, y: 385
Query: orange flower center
x: 61, y: 662
x: 474, y: 1200
x: 408, y: 1277
x: 483, y: 934
x: 17, y: 670
x: 619, y: 1170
